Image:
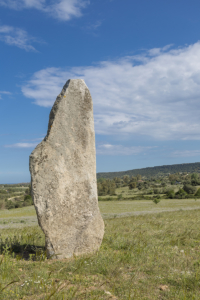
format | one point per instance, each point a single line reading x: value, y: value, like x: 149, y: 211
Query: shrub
x: 140, y: 186
x: 3, y: 192
x: 119, y: 197
x: 27, y: 197
x: 18, y: 204
x: 197, y: 194
x: 106, y: 199
x: 27, y: 203
x: 170, y: 194
x: 156, y: 200
x: 181, y: 194
x: 189, y: 189
x: 156, y: 191
x: 10, y: 205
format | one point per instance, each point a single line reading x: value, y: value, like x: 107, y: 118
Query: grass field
x: 18, y: 212
x: 149, y: 256
x: 128, y: 207
x: 109, y: 209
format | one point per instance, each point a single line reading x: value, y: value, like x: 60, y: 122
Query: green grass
x: 18, y: 212
x: 108, y: 208
x: 119, y: 207
x: 154, y: 256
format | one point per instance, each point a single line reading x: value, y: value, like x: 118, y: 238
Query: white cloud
x: 108, y: 149
x: 21, y: 4
x: 93, y: 26
x: 185, y: 153
x: 16, y: 37
x: 155, y: 95
x: 22, y: 145
x: 4, y: 93
x: 60, y: 9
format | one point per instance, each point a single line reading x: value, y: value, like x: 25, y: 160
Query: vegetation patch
x: 141, y: 257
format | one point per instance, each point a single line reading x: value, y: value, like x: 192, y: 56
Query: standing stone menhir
x: 63, y: 176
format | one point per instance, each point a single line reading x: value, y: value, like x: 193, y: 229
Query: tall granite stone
x: 63, y: 176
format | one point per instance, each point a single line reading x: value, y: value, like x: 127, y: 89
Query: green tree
x: 117, y: 181
x: 189, y: 189
x: 126, y: 179
x: 197, y: 194
x: 170, y: 194
x: 133, y: 179
x: 156, y: 191
x: 106, y: 187
x: 140, y: 186
x: 195, y: 180
x: 132, y: 185
x: 195, y: 176
x: 28, y: 191
x: 181, y: 194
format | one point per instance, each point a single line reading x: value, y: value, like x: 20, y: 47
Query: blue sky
x: 140, y: 60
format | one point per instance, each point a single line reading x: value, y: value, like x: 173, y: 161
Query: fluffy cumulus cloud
x: 59, y: 9
x: 156, y: 94
x: 16, y: 37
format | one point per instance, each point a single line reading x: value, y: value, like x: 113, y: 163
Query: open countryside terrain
x: 150, y: 256
x: 26, y: 216
x: 150, y: 250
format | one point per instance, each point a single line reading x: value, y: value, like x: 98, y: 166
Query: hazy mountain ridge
x: 154, y: 171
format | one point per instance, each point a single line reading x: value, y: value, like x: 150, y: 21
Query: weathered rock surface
x: 63, y: 176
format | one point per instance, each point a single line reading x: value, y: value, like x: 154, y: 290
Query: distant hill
x: 154, y: 171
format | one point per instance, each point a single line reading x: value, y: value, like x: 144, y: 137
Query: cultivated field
x: 147, y: 256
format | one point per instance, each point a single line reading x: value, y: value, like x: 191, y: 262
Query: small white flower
x: 108, y: 293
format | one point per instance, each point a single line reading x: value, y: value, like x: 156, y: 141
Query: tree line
x: 154, y: 171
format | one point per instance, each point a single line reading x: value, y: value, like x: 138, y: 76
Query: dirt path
x: 19, y: 222
x: 15, y: 197
x: 144, y: 212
